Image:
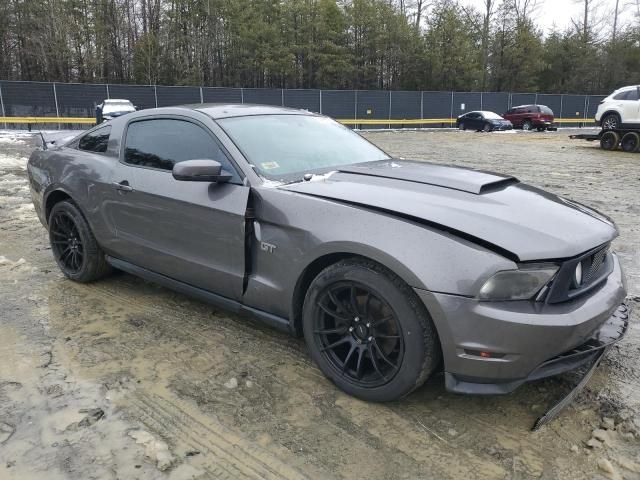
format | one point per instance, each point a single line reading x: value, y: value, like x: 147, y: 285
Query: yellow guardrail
x: 47, y: 120
x: 349, y: 121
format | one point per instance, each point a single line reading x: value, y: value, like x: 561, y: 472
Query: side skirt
x: 225, y: 303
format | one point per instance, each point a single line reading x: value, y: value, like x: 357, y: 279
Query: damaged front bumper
x: 589, y: 352
x: 491, y: 348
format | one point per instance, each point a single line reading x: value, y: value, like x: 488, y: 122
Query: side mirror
x: 200, y: 171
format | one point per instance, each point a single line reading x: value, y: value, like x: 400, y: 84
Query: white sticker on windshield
x: 269, y: 165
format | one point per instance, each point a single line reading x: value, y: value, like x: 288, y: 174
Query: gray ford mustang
x: 389, y: 268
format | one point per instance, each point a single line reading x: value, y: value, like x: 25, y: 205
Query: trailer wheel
x: 609, y: 140
x: 630, y: 142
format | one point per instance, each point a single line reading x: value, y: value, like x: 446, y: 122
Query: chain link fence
x: 358, y: 108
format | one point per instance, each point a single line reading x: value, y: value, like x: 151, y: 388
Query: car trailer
x: 628, y: 140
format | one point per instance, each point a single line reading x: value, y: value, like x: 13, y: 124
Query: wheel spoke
x: 335, y: 344
x: 382, y: 320
x: 366, y: 305
x: 374, y: 361
x: 359, y: 363
x: 354, y: 301
x: 332, y: 314
x: 329, y: 331
x: 383, y: 356
x: 387, y: 336
x: 346, y: 360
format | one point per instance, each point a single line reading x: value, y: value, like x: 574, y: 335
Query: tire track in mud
x: 236, y: 455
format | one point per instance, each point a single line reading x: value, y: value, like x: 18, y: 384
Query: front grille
x: 597, y: 264
x: 594, y: 264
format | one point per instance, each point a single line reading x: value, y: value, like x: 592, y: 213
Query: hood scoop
x: 456, y: 178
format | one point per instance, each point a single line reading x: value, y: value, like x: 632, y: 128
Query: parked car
x: 529, y: 117
x: 113, y: 108
x: 621, y: 109
x: 482, y: 121
x: 387, y: 267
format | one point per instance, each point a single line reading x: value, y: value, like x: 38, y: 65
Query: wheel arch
x: 611, y: 112
x: 55, y: 195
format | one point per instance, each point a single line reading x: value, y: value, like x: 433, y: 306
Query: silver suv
x: 621, y: 109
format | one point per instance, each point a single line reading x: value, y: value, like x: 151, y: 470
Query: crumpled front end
x: 493, y: 347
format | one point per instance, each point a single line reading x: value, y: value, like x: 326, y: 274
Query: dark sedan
x: 388, y: 268
x: 482, y: 121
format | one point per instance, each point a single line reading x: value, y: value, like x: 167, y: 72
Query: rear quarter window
x: 96, y: 141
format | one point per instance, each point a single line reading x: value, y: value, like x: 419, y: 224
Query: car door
x: 472, y: 121
x: 190, y: 231
x: 631, y: 107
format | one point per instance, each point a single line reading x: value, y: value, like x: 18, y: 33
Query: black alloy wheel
x: 368, y: 331
x: 358, y: 333
x: 66, y: 242
x: 73, y: 244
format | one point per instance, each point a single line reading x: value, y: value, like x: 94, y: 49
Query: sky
x: 560, y: 12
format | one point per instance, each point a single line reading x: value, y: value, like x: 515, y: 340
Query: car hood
x: 497, y: 211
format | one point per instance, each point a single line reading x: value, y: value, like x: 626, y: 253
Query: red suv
x: 528, y: 117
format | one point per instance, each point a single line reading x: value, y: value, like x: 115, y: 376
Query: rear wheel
x: 74, y: 247
x: 368, y: 332
x: 630, y: 142
x: 609, y: 140
x: 526, y: 125
x: 611, y: 121
x: 486, y: 127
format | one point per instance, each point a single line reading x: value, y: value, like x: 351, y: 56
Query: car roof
x: 481, y: 111
x: 226, y: 110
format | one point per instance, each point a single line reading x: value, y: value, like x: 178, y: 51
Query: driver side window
x: 163, y: 142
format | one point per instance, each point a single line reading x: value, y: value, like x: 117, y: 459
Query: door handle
x: 123, y: 186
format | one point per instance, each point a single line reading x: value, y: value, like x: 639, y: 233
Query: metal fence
x: 359, y: 108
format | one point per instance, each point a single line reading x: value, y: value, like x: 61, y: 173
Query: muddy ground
x: 124, y: 379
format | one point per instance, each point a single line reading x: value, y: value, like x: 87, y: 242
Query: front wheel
x: 486, y: 128
x: 461, y: 126
x: 74, y: 247
x: 611, y: 121
x: 368, y: 332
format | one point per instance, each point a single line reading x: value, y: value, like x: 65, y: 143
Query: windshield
x: 117, y: 107
x: 491, y: 116
x: 285, y: 147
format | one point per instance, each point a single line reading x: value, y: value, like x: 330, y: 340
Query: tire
x: 526, y: 125
x: 540, y: 129
x: 461, y: 126
x: 368, y: 332
x: 73, y: 245
x: 630, y: 142
x: 486, y: 127
x: 610, y: 121
x: 609, y: 140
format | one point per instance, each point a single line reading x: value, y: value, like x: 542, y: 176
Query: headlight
x: 521, y: 284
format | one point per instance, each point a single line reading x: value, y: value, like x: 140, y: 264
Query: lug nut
x: 368, y: 325
x: 351, y: 329
x: 357, y: 319
x: 370, y: 338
